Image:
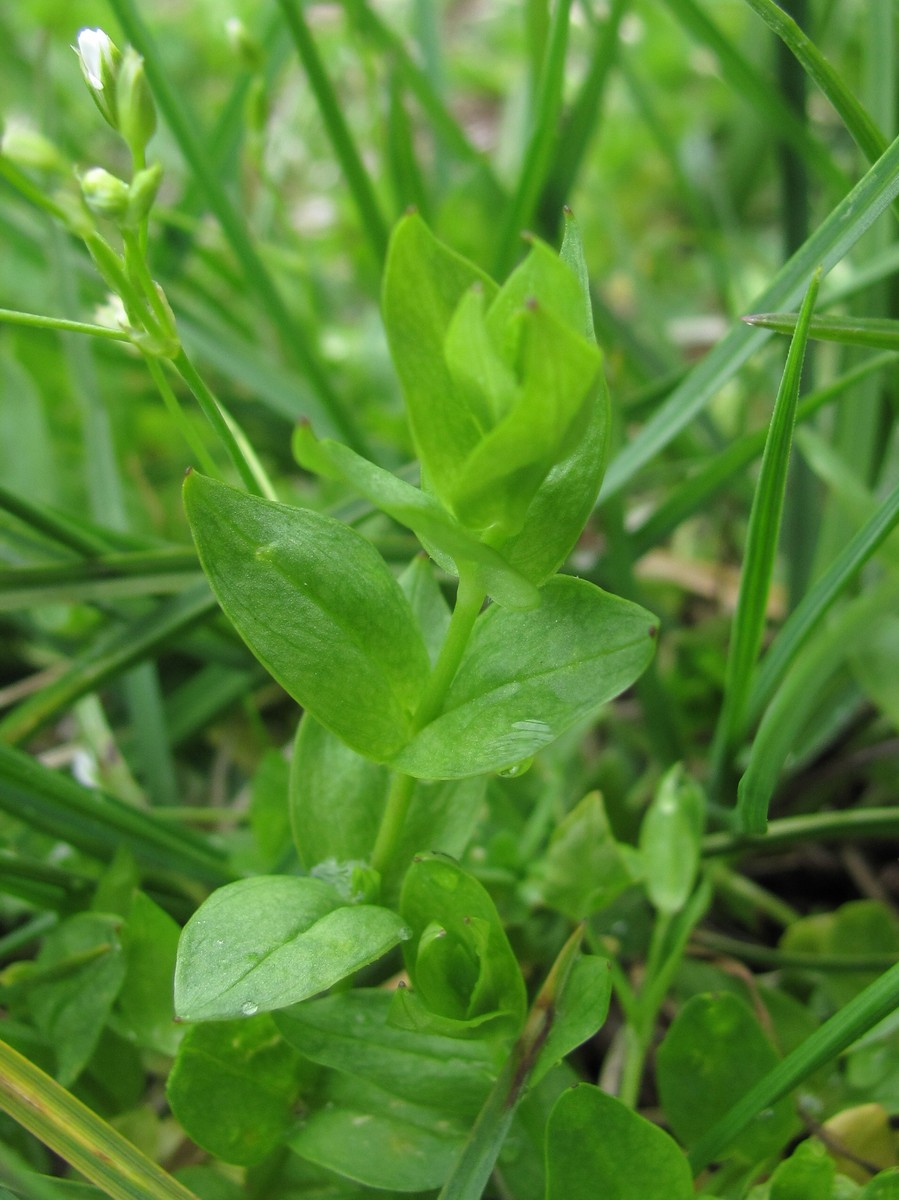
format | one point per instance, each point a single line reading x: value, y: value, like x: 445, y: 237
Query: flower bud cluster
x: 118, y: 84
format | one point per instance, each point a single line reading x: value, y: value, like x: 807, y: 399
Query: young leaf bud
x: 105, y: 194
x: 244, y: 45
x: 27, y: 148
x: 142, y: 194
x: 136, y: 108
x: 100, y: 59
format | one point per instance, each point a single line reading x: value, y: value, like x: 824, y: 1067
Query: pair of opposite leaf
x: 509, y: 414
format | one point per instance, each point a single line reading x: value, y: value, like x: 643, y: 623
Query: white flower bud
x: 105, y: 194
x: 100, y: 58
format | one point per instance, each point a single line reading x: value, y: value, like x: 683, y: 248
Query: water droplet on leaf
x: 249, y: 1007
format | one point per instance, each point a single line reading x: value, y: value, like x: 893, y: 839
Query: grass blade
x: 111, y: 654
x: 99, y: 824
x: 862, y: 1013
x: 79, y: 1136
x: 722, y: 468
x: 762, y: 537
x: 807, y: 616
x: 581, y: 122
x: 877, y: 332
x: 752, y: 86
x: 538, y: 155
x: 797, y: 698
x: 861, y: 127
x: 185, y: 129
x: 834, y: 237
x: 348, y: 156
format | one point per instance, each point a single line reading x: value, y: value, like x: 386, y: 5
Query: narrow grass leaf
x: 582, y: 120
x: 404, y: 67
x: 98, y: 824
x: 537, y: 158
x: 752, y: 86
x: 862, y: 1013
x: 858, y: 122
x: 797, y: 699
x: 808, y: 614
x: 141, y: 573
x: 71, y: 1130
x: 186, y: 130
x: 833, y: 238
x: 880, y: 333
x: 114, y: 650
x: 762, y: 538
x: 720, y: 469
x: 345, y: 149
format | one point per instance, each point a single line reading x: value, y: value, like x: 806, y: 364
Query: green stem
x: 36, y: 321
x: 248, y: 466
x: 357, y: 178
x: 472, y: 1170
x: 186, y: 131
x: 469, y: 599
x: 203, y: 457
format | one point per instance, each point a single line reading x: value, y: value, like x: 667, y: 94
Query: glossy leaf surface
x: 713, y: 1053
x: 526, y: 678
x: 318, y: 606
x: 267, y: 942
x: 596, y: 1146
x: 465, y: 977
x: 233, y: 1088
x: 351, y: 1032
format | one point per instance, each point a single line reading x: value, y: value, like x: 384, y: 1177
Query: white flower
x: 95, y: 49
x: 100, y: 59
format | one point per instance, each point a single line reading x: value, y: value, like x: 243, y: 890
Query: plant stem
x: 469, y: 599
x: 248, y: 466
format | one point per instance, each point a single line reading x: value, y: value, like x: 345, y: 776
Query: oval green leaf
x: 596, y: 1146
x: 271, y: 941
x: 318, y: 606
x: 527, y: 677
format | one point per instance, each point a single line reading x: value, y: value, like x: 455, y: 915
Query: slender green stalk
x: 36, y: 321
x: 186, y: 429
x: 815, y: 827
x: 348, y: 156
x: 79, y: 1136
x: 830, y: 242
x: 472, y: 1170
x: 762, y: 539
x: 862, y: 128
x: 469, y: 600
x: 186, y: 131
x: 229, y: 433
x: 669, y: 942
x: 767, y: 956
x: 538, y: 155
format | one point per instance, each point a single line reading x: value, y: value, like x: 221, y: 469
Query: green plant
x: 477, y: 926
